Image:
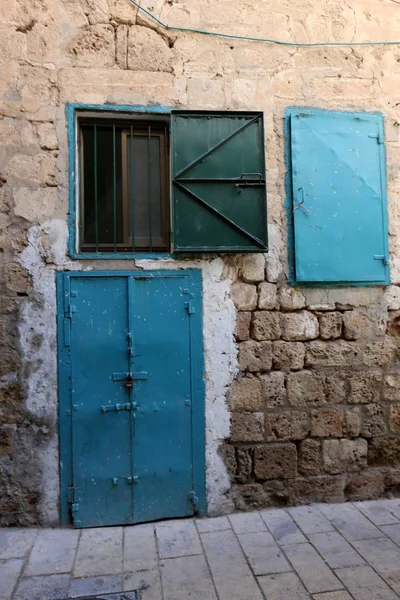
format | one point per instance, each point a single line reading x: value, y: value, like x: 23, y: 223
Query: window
x: 188, y: 181
x: 337, y: 187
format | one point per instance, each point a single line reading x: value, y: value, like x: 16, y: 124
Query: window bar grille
x: 131, y: 192
x: 96, y: 215
x: 115, y: 188
x: 149, y: 185
x: 167, y: 223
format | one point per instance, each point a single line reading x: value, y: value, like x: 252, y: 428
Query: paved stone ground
x: 319, y: 552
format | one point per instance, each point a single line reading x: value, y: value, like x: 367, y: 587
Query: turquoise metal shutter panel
x: 339, y: 197
x: 218, y: 182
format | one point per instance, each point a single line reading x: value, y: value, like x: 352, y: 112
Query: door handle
x: 301, y: 203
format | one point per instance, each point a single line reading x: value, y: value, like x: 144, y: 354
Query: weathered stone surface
x: 17, y: 278
x: 384, y: 452
x: 244, y: 296
x: 355, y: 325
x: 392, y: 297
x: 47, y: 136
x: 121, y: 46
x: 394, y: 419
x: 8, y: 305
x: 330, y: 354
x: 336, y: 387
x: 6, y: 439
x: 273, y: 390
x: 373, y: 422
x: 330, y: 325
x: 229, y: 456
x: 309, y: 457
x: 94, y: 47
x: 352, y: 422
x: 326, y: 422
x: 365, y: 387
x: 278, y: 461
x: 287, y: 426
x: 249, y: 496
x: 288, y: 355
x: 306, y: 388
x: 39, y: 169
x: 35, y: 205
x: 379, y: 354
x: 291, y: 298
x: 253, y: 268
x: 267, y: 299
x: 265, y: 325
x: 243, y: 321
x: 391, y: 387
x: 299, y: 326
x: 393, y: 326
x: 245, y: 395
x: 148, y: 51
x: 344, y: 455
x: 10, y: 361
x: 366, y: 486
x: 247, y: 427
x: 319, y: 489
x: 244, y: 465
x: 255, y: 356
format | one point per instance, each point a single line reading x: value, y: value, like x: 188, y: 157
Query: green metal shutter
x: 218, y: 182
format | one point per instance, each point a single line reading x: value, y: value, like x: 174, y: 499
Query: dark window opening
x: 124, y: 170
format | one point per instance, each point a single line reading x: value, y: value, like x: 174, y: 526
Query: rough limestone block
x: 366, y: 486
x: 365, y: 387
x: 243, y: 321
x: 275, y: 462
x: 267, y: 299
x: 309, y: 457
x: 17, y: 278
x: 326, y: 422
x: 255, y: 356
x: 321, y: 488
x: 393, y: 325
x: 356, y: 325
x: 299, y: 326
x: 391, y: 387
x: 379, y: 354
x: 273, y: 390
x: 306, y: 388
x: 288, y: 355
x: 394, y: 419
x: 265, y: 325
x: 373, y: 421
x: 47, y: 136
x: 344, y: 455
x: 247, y: 427
x: 253, y: 268
x: 94, y: 47
x: 35, y: 206
x: 352, y: 422
x: 330, y: 325
x: 336, y: 353
x: 336, y: 387
x: 392, y: 297
x: 244, y: 296
x: 148, y: 51
x: 245, y: 395
x: 6, y: 439
x: 287, y: 426
x: 291, y: 298
x: 244, y: 465
x: 384, y: 452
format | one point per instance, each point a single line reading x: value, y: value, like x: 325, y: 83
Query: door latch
x: 128, y: 382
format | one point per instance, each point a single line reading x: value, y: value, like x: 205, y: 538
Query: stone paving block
x: 99, y: 552
x: 393, y: 506
x: 53, y: 552
x: 52, y: 587
x: 310, y: 519
x: 16, y: 543
x: 335, y: 550
x: 376, y: 512
x: 9, y: 572
x: 342, y: 595
x: 285, y: 586
x: 384, y: 556
x: 314, y: 573
x: 90, y: 586
x: 392, y: 531
x: 177, y: 538
x: 186, y: 577
x: 364, y: 584
x: 140, y: 550
x: 147, y: 582
x: 350, y: 522
x: 264, y: 556
x: 231, y: 573
x: 282, y: 526
x: 214, y: 524
x: 247, y: 522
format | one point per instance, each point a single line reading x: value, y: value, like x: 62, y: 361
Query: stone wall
x: 314, y: 403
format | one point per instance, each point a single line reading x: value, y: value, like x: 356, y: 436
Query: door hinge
x: 194, y: 500
x: 383, y: 258
x: 189, y: 307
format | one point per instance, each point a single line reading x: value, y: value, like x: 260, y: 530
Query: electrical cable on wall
x: 257, y: 39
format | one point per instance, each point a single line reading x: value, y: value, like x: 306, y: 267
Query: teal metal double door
x: 131, y: 396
